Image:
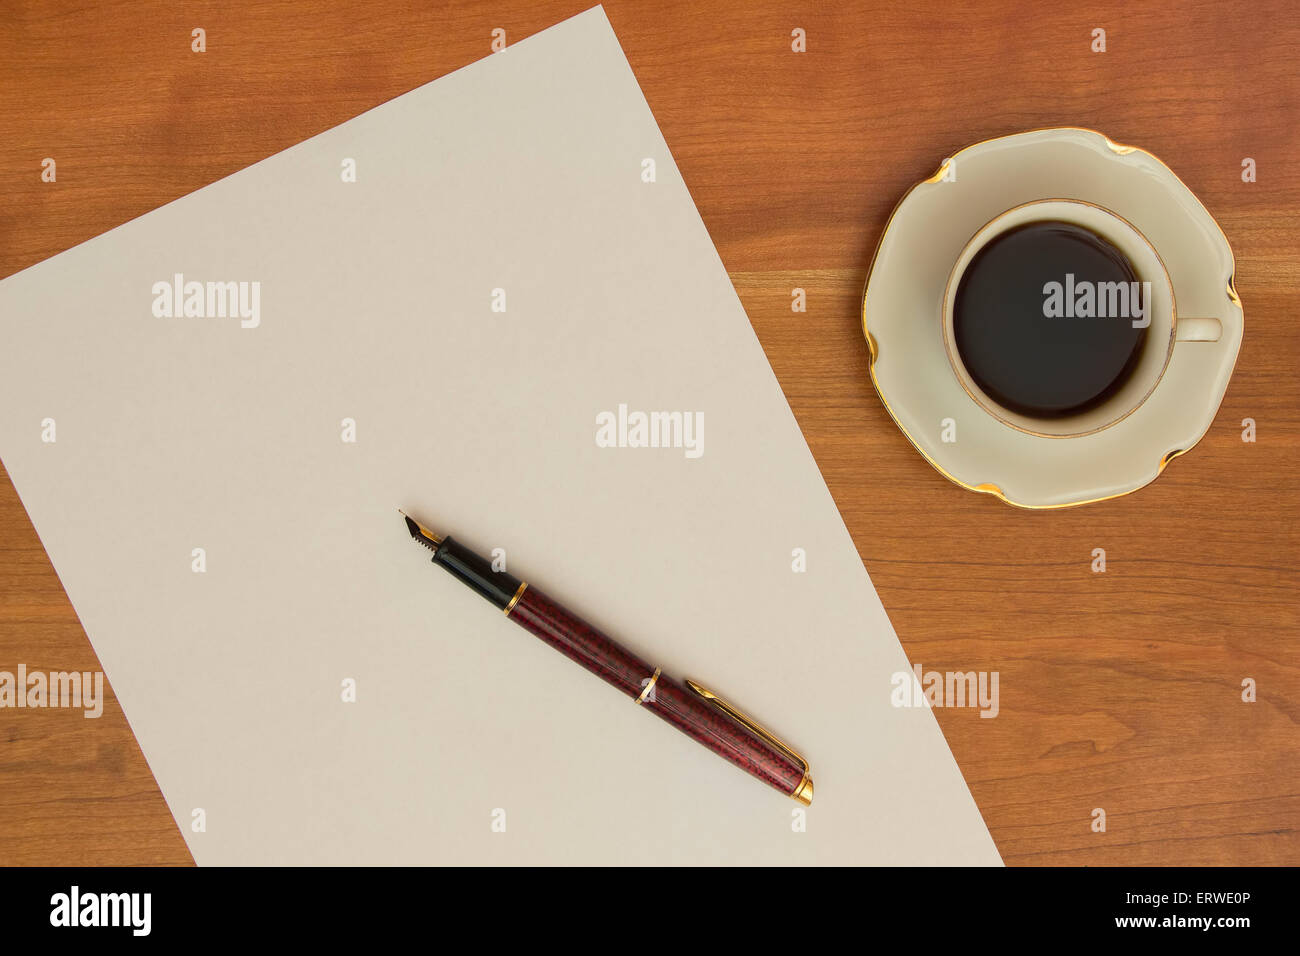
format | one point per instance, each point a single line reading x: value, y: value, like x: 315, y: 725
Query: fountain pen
x: 697, y: 712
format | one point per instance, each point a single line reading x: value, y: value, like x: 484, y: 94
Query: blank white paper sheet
x: 245, y: 385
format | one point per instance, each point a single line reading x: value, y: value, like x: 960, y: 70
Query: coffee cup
x: 1059, y: 318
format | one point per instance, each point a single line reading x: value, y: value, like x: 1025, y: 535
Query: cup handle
x: 1191, y: 329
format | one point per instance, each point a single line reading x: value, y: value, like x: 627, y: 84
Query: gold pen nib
x: 420, y: 533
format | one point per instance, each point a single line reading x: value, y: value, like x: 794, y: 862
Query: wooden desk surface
x: 1120, y: 690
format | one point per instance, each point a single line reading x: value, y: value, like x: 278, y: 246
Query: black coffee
x: 1042, y: 323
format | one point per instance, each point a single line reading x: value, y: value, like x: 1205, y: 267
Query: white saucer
x: 903, y: 301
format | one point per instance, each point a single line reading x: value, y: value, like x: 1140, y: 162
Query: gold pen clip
x: 804, y: 791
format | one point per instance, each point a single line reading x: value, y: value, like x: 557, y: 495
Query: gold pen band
x: 649, y: 687
x: 523, y: 585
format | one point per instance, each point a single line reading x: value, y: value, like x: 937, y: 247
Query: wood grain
x: 1119, y: 690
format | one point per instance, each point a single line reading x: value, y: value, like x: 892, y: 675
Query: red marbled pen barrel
x: 692, y: 709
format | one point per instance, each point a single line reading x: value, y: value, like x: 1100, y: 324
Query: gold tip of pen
x: 419, y: 532
x: 804, y: 792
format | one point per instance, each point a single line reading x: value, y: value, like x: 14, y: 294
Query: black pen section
x: 497, y: 586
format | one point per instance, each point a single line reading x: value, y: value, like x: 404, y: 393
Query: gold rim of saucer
x: 873, y: 347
